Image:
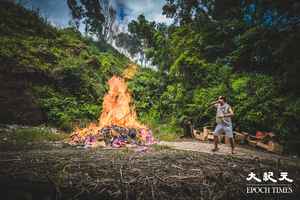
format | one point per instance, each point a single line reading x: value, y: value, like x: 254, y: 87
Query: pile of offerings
x: 114, y: 136
x: 117, y: 136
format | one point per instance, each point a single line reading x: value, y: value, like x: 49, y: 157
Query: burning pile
x: 118, y: 124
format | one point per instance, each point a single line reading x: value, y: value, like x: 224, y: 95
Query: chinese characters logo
x: 269, y: 184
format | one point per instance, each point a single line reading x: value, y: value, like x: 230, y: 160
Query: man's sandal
x: 215, y: 149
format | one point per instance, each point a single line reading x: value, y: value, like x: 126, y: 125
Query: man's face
x: 220, y: 100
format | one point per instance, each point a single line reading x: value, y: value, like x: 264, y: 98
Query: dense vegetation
x: 246, y: 50
x: 51, y: 75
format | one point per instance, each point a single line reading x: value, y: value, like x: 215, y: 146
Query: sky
x: 57, y: 11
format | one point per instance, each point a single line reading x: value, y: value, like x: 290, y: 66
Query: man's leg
x: 229, y: 134
x: 216, y: 141
x: 216, y: 133
x: 231, y: 140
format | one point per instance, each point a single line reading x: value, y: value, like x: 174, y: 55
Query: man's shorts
x: 220, y: 128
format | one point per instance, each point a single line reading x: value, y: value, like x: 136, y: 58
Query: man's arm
x: 230, y: 113
x: 214, y: 103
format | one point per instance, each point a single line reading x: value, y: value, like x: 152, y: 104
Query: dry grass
x: 159, y: 173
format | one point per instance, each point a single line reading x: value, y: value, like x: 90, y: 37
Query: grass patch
x: 166, y: 136
x: 161, y: 131
x: 36, y: 134
x: 166, y: 132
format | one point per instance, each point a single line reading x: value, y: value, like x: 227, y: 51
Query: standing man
x: 224, y: 124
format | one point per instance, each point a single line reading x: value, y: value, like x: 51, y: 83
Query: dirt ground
x: 242, y: 151
x: 169, y: 170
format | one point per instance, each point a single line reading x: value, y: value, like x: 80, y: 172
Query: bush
x: 254, y: 101
x: 146, y: 88
x: 62, y: 110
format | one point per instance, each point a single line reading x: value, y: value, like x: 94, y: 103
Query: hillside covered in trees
x: 49, y: 75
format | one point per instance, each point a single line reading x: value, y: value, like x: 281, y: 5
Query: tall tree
x: 143, y: 31
x: 129, y: 43
x: 97, y: 16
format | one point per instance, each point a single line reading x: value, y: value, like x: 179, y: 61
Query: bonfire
x: 118, y: 124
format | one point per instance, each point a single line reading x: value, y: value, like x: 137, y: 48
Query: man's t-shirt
x: 221, y: 111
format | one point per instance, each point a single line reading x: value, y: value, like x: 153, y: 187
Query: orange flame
x: 117, y: 109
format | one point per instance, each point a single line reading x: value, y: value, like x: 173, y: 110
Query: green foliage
x: 15, y: 17
x: 62, y: 110
x: 145, y: 88
x: 166, y: 132
x: 172, y: 101
x: 148, y: 90
x: 254, y: 98
x: 258, y: 105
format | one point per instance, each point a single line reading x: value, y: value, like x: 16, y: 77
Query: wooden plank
x: 210, y: 137
x: 198, y: 135
x: 240, y: 137
x: 262, y: 145
x: 275, y: 147
x: 252, y: 142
